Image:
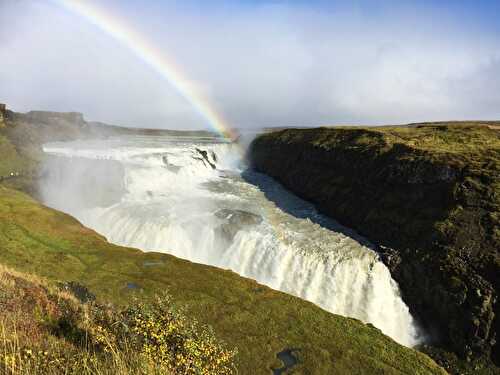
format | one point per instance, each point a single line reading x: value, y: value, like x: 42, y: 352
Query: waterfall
x: 191, y: 199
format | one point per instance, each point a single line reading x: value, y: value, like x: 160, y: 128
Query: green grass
x: 453, y: 142
x: 258, y: 321
x: 443, y: 138
x: 11, y: 161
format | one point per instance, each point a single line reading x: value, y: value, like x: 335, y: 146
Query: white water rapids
x: 164, y: 194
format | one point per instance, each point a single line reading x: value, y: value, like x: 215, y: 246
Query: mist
x: 260, y: 63
x: 160, y: 194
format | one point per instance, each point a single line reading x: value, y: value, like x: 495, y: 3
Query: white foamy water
x: 192, y: 199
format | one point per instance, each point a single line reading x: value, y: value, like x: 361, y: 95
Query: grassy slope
x: 11, y: 160
x: 256, y: 319
x: 45, y: 330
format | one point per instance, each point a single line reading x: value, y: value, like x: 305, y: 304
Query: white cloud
x: 260, y: 65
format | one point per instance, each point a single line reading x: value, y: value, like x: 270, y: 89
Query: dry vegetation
x: 44, y: 330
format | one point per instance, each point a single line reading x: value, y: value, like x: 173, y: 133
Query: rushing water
x: 193, y: 199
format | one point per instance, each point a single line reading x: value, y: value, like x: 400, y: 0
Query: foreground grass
x: 256, y: 320
x: 44, y: 330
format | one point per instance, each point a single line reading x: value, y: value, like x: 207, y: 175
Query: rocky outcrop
x: 2, y: 115
x: 28, y: 131
x: 73, y: 118
x: 429, y: 196
x: 235, y: 220
x: 205, y: 158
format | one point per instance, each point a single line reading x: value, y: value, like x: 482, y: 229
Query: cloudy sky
x: 259, y: 63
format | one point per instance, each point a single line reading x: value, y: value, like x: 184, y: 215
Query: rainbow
x: 153, y: 57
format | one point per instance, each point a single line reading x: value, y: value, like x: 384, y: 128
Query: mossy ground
x: 11, y: 161
x: 460, y: 139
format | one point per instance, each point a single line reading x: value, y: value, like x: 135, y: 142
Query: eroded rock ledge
x: 428, y: 195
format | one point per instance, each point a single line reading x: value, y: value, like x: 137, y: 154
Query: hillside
x: 257, y: 321
x: 429, y: 196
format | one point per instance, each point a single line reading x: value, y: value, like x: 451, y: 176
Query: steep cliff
x: 429, y: 196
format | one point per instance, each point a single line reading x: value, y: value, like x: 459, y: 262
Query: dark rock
x: 78, y: 290
x: 234, y: 221
x: 205, y: 158
x: 390, y: 257
x: 289, y: 359
x: 171, y: 167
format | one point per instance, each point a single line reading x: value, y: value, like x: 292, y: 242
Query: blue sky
x: 261, y: 63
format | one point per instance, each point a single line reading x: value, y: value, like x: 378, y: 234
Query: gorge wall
x: 429, y: 196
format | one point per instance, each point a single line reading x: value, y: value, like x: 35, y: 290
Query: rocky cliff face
x: 32, y: 129
x: 2, y: 115
x: 429, y: 196
x: 22, y: 136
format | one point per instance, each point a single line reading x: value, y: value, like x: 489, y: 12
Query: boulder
x: 234, y: 221
x: 80, y: 291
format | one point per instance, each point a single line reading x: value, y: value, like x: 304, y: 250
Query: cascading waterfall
x: 187, y: 197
